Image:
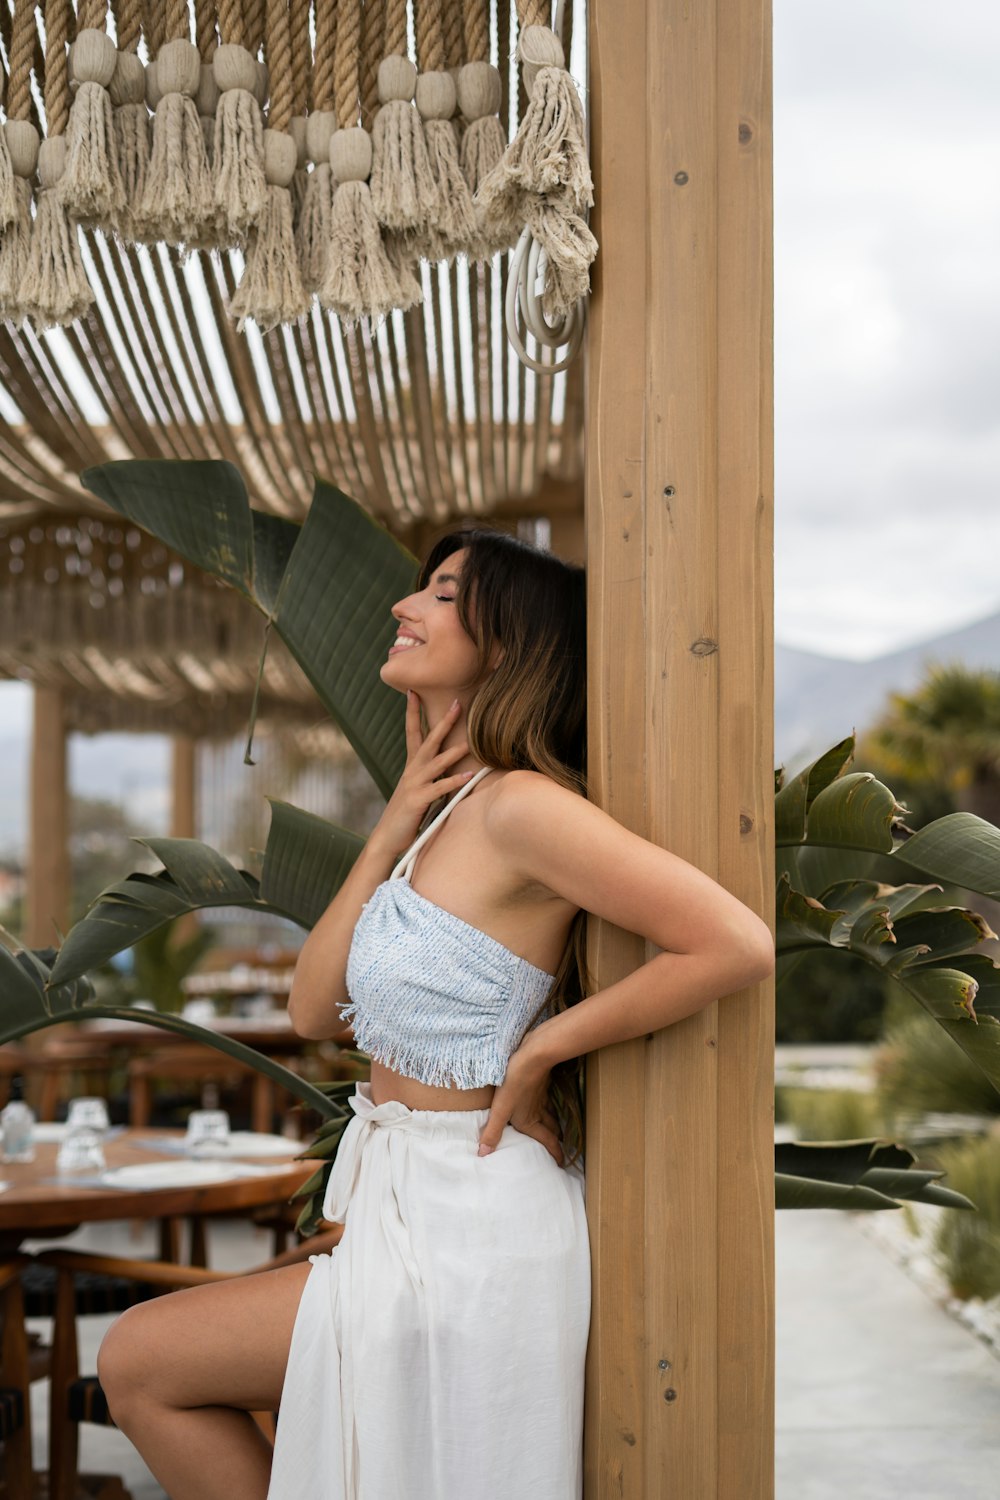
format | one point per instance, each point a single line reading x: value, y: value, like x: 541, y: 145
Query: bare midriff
x: 387, y: 1084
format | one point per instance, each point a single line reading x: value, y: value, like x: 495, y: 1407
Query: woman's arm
x: 319, y: 985
x: 713, y: 944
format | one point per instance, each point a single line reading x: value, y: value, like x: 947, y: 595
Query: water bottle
x: 17, y: 1124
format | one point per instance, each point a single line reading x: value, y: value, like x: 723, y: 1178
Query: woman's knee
x: 126, y: 1360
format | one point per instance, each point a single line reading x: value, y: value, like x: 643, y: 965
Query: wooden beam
x: 184, y: 799
x: 184, y: 813
x: 678, y: 516
x: 47, y: 899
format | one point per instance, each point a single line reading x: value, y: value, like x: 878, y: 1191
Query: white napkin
x: 153, y: 1176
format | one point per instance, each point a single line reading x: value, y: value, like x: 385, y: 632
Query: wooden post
x: 184, y: 812
x: 47, y: 902
x: 183, y: 806
x: 678, y: 516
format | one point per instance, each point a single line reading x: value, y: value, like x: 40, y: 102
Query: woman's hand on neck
x: 436, y: 706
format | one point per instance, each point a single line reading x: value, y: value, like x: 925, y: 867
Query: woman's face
x: 432, y: 651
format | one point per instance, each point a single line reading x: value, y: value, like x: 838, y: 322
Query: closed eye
x: 445, y: 598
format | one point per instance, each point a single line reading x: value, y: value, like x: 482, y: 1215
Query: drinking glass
x: 207, y: 1132
x: 89, y: 1113
x: 81, y: 1151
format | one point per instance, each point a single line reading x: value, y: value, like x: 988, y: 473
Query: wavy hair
x: 529, y: 710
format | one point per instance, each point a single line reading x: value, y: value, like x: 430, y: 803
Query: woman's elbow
x: 756, y: 952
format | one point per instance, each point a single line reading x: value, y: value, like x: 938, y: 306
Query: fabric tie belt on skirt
x: 369, y: 1117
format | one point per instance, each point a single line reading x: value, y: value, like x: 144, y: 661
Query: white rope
x: 525, y: 284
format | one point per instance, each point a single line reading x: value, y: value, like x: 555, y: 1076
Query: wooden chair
x: 63, y: 1060
x: 189, y: 1063
x: 75, y: 1398
x: 15, y: 1379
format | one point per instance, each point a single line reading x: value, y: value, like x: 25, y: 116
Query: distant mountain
x: 820, y: 699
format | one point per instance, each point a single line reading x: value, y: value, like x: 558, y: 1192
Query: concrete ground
x: 879, y: 1392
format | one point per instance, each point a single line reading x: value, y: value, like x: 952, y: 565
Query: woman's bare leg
x: 181, y: 1374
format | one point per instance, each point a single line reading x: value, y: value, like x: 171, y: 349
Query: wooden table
x: 35, y: 1207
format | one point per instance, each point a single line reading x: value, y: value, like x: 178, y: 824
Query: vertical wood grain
x: 678, y: 504
x: 48, y: 887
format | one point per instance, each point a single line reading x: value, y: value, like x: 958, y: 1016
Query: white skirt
x: 438, y: 1352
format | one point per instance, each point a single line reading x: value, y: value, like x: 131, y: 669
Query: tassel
x: 55, y: 290
x: 483, y: 145
x: 300, y: 178
x: 238, y: 156
x: 92, y: 188
x: 270, y: 291
x: 312, y: 237
x: 360, y: 278
x: 548, y: 154
x: 569, y: 250
x: 178, y: 192
x: 9, y: 196
x: 405, y: 267
x: 453, y: 228
x: 402, y: 184
x: 127, y: 91
x: 14, y: 247
x: 207, y: 103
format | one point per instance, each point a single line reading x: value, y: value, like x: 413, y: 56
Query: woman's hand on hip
x: 522, y: 1100
x: 424, y: 779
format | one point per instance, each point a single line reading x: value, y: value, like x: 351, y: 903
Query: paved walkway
x: 879, y: 1394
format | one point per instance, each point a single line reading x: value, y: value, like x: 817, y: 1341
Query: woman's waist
x: 387, y: 1083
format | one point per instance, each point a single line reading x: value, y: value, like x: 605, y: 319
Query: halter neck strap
x: 405, y: 866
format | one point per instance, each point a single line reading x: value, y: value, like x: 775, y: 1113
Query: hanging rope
x: 271, y: 290
x: 313, y: 232
x: 92, y: 186
x: 206, y: 39
x: 451, y: 227
x: 21, y: 141
x: 55, y: 289
x: 177, y: 203
x: 543, y: 180
x: 484, y: 140
x: 373, y: 30
x: 298, y: 28
x: 239, y: 184
x: 401, y: 181
x: 360, y: 278
x: 127, y: 91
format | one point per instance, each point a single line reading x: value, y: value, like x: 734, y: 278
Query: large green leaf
x: 327, y: 585
x: 855, y: 1174
x: 961, y: 849
x: 199, y: 507
x: 343, y: 575
x: 30, y: 1001
x: 305, y: 862
x: 794, y: 798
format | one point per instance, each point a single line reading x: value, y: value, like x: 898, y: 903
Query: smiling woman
x: 439, y: 1352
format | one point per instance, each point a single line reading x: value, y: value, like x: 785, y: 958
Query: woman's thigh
x: 221, y: 1345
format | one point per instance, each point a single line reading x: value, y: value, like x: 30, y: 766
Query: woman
x: 437, y: 1354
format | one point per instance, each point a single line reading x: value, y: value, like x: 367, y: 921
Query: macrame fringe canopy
x: 304, y: 133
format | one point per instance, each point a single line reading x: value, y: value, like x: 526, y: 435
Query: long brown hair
x: 529, y: 710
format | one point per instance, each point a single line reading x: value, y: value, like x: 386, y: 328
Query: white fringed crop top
x: 430, y: 995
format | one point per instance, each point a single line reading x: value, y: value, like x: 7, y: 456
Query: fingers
x: 494, y: 1129
x: 414, y: 739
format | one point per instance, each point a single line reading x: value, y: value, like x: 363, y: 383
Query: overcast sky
x: 887, y: 260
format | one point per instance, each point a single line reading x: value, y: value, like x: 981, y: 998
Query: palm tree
x: 948, y: 731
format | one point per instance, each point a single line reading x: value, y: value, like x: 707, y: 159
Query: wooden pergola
x: 651, y: 456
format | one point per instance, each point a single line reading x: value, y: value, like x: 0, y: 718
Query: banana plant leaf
x: 326, y: 586
x: 305, y: 860
x: 837, y: 830
x: 31, y: 1001
x: 855, y: 1174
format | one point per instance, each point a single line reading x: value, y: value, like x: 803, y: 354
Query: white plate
x: 168, y: 1174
